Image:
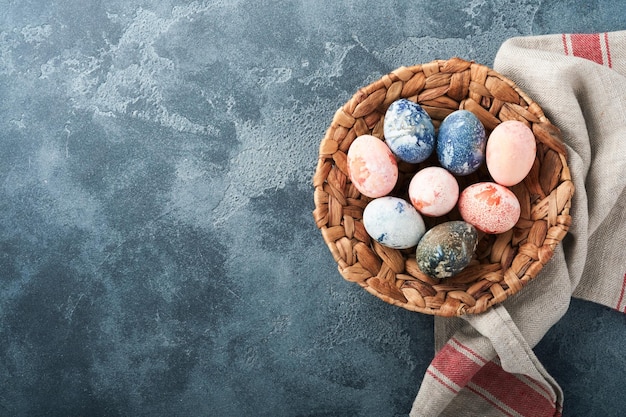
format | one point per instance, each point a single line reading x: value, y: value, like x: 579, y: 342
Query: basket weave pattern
x: 503, y: 263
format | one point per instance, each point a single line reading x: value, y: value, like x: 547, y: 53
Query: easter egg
x: 511, y: 151
x: 461, y: 142
x: 490, y: 207
x: 409, y: 131
x: 373, y: 168
x: 433, y: 191
x: 393, y: 222
x: 446, y: 249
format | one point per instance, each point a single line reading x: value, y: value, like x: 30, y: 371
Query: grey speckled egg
x: 409, y: 131
x: 446, y: 249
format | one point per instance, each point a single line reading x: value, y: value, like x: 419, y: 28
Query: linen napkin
x: 484, y: 365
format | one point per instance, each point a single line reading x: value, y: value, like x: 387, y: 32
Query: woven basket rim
x: 509, y: 260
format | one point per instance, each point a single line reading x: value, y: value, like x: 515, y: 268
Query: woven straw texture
x: 503, y: 263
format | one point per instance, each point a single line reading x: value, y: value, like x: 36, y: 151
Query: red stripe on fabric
x: 559, y: 411
x: 489, y: 400
x: 537, y: 386
x: 621, y: 295
x: 455, y: 365
x: 587, y: 46
x: 512, y: 392
x: 608, y: 50
x: 565, y: 44
x: 470, y: 351
x: 441, y: 381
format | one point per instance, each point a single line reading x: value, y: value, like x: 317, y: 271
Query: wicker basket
x: 503, y: 263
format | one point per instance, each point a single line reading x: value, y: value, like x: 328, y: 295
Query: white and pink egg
x: 433, y: 191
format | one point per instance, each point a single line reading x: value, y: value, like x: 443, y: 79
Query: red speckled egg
x: 490, y: 207
x: 511, y: 151
x: 373, y: 168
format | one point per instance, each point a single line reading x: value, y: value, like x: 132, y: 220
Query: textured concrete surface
x: 158, y: 255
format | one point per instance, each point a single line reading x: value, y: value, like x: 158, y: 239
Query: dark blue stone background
x: 158, y: 254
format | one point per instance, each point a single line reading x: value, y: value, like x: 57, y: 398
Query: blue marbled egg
x: 446, y: 249
x: 409, y: 131
x: 461, y: 143
x: 393, y: 222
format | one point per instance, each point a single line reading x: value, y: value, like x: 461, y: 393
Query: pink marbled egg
x: 511, y: 151
x: 373, y: 168
x: 490, y: 207
x: 433, y: 191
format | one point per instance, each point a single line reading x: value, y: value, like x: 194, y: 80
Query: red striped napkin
x: 484, y: 365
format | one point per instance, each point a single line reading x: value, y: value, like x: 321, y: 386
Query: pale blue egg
x: 461, y: 142
x: 393, y: 222
x: 409, y: 131
x: 446, y: 249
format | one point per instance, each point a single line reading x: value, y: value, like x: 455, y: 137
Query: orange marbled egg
x: 373, y: 168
